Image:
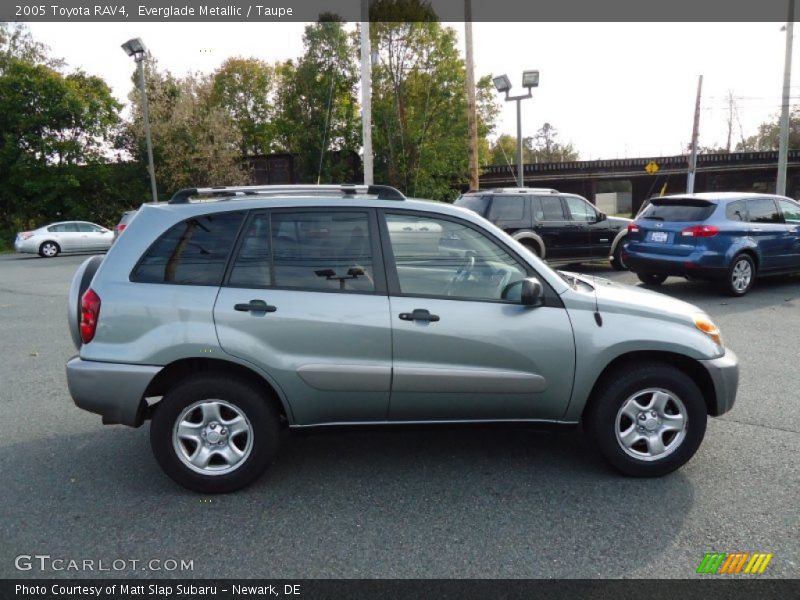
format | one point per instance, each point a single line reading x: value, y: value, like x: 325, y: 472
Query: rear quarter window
x: 736, y: 211
x: 678, y: 211
x: 193, y: 252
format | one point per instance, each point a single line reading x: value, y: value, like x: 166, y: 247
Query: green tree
x: 319, y: 114
x: 545, y: 148
x: 768, y: 136
x: 419, y: 126
x: 16, y: 42
x: 50, y: 124
x: 245, y: 89
x: 195, y: 141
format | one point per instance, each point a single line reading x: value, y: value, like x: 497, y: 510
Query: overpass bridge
x: 735, y: 171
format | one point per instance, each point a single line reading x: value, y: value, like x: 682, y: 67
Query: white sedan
x: 66, y: 236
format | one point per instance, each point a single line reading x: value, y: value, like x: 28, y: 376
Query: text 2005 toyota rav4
x: 224, y: 321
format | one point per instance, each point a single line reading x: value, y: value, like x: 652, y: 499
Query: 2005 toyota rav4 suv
x: 224, y: 321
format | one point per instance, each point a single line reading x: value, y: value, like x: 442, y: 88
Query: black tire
x: 49, y: 249
x: 258, y: 409
x: 600, y: 420
x: 734, y: 284
x: 617, y: 262
x: 653, y: 279
x: 533, y: 247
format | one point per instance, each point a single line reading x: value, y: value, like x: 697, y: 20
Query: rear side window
x: 306, y: 250
x: 476, y: 204
x: 791, y: 212
x: 193, y: 252
x: 763, y: 210
x: 685, y: 210
x: 736, y: 211
x: 548, y: 208
x: 507, y: 208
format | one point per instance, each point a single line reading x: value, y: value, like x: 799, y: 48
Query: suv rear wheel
x: 213, y: 434
x: 647, y: 421
x: 741, y: 275
x: 533, y: 247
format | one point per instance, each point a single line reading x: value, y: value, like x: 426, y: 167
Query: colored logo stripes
x: 722, y: 563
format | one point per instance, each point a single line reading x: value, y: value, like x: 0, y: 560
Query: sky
x: 613, y: 90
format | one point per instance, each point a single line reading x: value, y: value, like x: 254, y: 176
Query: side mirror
x: 601, y: 217
x: 532, y: 292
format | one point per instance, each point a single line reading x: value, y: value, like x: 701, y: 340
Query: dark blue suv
x: 727, y: 237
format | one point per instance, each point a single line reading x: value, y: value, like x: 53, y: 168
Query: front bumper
x: 724, y: 372
x: 113, y: 390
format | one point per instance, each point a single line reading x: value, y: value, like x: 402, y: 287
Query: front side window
x: 579, y: 209
x: 763, y: 210
x: 306, y: 250
x: 439, y: 257
x: 193, y: 252
x: 507, y: 208
x: 791, y: 212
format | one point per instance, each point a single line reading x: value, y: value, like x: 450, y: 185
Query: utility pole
x: 472, y: 120
x: 695, y: 133
x: 366, y: 93
x: 783, y: 148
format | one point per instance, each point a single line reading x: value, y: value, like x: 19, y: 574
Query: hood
x: 619, y: 222
x: 615, y: 297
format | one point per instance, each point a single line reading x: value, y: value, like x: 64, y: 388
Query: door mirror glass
x: 528, y: 292
x: 601, y: 216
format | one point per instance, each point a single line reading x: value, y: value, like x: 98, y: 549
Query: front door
x: 463, y: 348
x: 582, y: 216
x: 305, y: 301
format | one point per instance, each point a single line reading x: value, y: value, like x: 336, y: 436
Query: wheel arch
x: 687, y: 365
x: 530, y: 236
x: 176, y: 371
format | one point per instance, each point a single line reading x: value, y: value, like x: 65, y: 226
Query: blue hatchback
x: 728, y: 237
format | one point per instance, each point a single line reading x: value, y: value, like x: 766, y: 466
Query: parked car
x: 225, y: 321
x: 66, y: 236
x: 554, y: 226
x: 728, y: 237
x: 123, y: 222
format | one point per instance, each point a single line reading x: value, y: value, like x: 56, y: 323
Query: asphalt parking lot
x: 428, y: 502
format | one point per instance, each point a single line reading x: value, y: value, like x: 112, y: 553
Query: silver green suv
x: 228, y: 314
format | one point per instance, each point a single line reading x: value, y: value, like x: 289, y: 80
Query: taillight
x: 120, y: 227
x: 26, y: 235
x: 633, y: 228
x: 90, y: 313
x: 700, y: 231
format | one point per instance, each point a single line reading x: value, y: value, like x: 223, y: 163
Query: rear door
x: 770, y: 233
x: 305, y: 300
x: 550, y: 222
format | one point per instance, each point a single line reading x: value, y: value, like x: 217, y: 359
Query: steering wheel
x: 463, y: 272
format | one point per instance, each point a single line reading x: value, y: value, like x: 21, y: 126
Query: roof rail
x: 383, y: 192
x: 522, y: 190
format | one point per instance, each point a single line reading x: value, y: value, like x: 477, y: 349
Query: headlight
x: 706, y: 325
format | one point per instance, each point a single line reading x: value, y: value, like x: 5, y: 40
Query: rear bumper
x: 113, y: 390
x: 724, y: 372
x: 678, y: 266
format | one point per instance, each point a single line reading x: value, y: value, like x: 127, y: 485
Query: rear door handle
x: 419, y: 314
x: 255, y: 306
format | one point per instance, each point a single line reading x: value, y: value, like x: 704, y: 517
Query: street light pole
x: 783, y: 145
x: 137, y: 50
x: 530, y: 80
x: 366, y: 94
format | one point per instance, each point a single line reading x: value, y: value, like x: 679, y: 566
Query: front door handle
x: 255, y: 306
x: 419, y: 314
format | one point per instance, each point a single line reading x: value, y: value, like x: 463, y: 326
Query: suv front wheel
x: 214, y: 434
x: 648, y: 420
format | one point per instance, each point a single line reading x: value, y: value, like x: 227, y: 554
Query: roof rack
x: 522, y: 190
x: 383, y: 192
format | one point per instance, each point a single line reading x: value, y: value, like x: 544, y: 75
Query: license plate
x: 659, y: 236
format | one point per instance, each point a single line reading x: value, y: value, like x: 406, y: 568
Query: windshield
x: 476, y: 204
x: 682, y: 210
